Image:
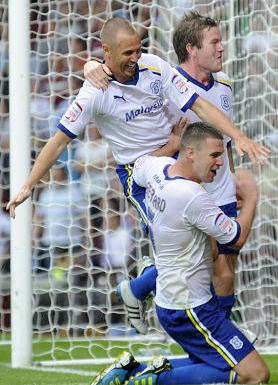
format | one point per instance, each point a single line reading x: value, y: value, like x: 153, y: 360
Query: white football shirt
x: 219, y: 93
x: 132, y: 116
x: 182, y: 218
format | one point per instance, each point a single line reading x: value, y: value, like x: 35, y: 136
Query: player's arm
x: 47, y: 157
x: 203, y: 213
x: 97, y: 74
x: 248, y: 192
x: 173, y: 145
x: 230, y: 157
x: 210, y: 114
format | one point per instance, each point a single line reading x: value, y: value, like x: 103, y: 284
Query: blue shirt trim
x: 190, y: 102
x: 196, y: 82
x: 66, y: 131
x: 132, y: 82
x: 236, y: 236
x: 167, y: 177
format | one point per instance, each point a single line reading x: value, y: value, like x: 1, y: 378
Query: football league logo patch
x: 73, y: 112
x: 224, y: 223
x: 181, y: 85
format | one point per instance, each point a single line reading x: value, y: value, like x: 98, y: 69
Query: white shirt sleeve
x: 80, y: 112
x: 202, y: 212
x: 141, y: 168
x: 177, y: 88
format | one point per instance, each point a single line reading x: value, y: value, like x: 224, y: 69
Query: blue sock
x: 175, y: 362
x: 138, y: 369
x: 178, y: 362
x: 196, y: 374
x: 227, y: 302
x: 142, y: 286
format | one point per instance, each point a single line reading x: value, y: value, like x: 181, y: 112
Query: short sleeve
x: 80, y: 112
x: 176, y: 88
x: 206, y: 216
x: 141, y: 168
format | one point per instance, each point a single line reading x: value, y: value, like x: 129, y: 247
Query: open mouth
x: 130, y: 66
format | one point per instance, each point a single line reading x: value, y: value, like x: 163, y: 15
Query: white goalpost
x: 21, y: 293
x: 81, y: 238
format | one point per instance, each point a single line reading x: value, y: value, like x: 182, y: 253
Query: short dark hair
x: 189, y: 30
x: 113, y: 26
x: 197, y: 133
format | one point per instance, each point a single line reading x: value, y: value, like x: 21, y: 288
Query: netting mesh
x: 85, y: 236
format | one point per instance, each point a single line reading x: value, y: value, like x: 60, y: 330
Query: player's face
x: 208, y: 159
x: 123, y: 56
x: 210, y: 56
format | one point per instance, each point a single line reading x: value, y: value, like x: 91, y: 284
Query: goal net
x: 86, y: 238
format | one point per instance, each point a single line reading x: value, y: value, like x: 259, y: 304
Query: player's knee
x: 258, y: 375
x: 252, y: 369
x: 262, y: 376
x: 225, y: 276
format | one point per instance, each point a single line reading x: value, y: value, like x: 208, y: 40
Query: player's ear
x: 191, y: 49
x: 106, y: 48
x: 189, y: 152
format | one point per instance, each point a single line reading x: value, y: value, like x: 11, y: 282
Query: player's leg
x: 134, y: 291
x: 161, y: 372
x: 224, y: 268
x: 224, y: 265
x: 252, y: 369
x: 223, y: 280
x: 205, y: 333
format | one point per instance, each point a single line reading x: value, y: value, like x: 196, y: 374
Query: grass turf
x: 77, y: 375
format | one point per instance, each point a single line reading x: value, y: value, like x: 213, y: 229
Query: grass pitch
x: 77, y: 374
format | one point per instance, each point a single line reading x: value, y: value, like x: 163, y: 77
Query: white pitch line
x: 57, y: 370
x: 65, y: 370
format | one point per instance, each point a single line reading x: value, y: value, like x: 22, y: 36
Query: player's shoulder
x: 193, y: 188
x: 88, y: 88
x: 222, y: 78
x: 185, y: 192
x: 149, y: 162
x: 151, y: 62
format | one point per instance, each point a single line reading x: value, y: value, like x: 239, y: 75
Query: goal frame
x: 20, y: 161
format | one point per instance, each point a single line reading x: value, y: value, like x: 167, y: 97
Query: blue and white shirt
x: 182, y: 218
x: 132, y: 116
x: 219, y: 93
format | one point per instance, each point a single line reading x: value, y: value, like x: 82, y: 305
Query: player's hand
x: 177, y: 131
x: 97, y: 74
x: 256, y: 152
x: 246, y: 186
x: 24, y: 194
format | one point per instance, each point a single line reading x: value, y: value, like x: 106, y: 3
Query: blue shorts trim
x: 206, y: 335
x: 231, y: 211
x: 135, y: 194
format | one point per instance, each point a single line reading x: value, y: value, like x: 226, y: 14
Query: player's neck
x: 180, y: 169
x: 196, y: 72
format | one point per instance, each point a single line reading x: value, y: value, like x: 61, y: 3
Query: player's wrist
x: 238, y: 136
x: 174, y: 144
x: 27, y: 188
